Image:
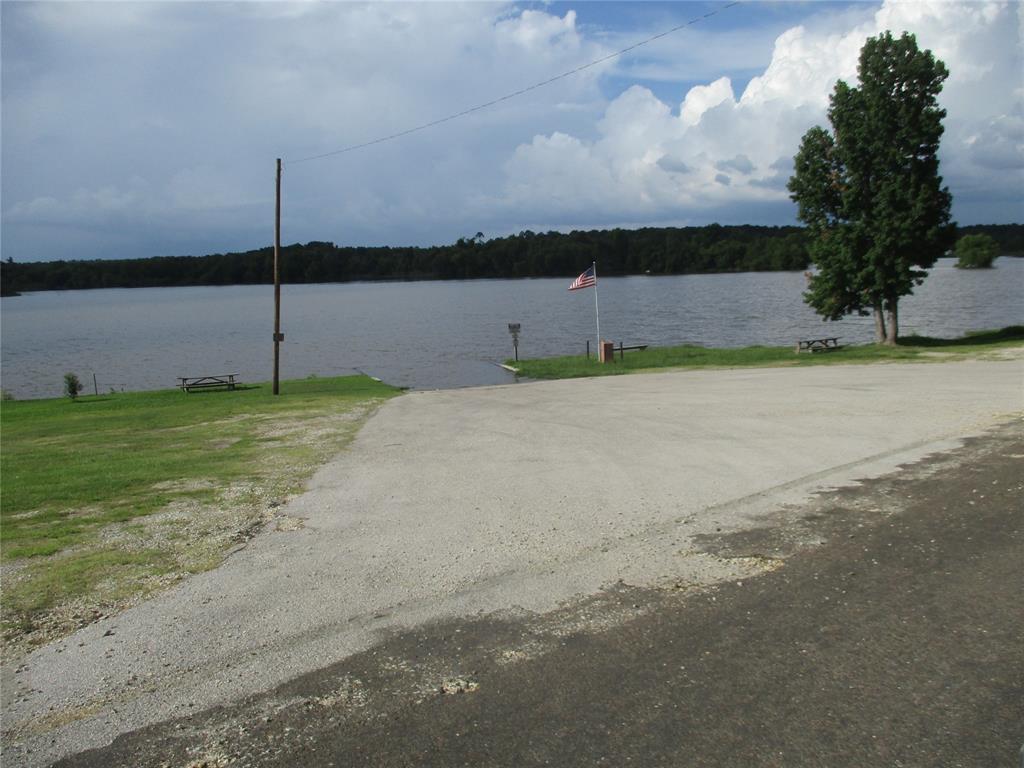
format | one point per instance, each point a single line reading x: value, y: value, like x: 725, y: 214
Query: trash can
x: 606, y: 354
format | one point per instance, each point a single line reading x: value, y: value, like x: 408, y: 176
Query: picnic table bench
x: 818, y: 345
x: 226, y: 380
x: 624, y: 348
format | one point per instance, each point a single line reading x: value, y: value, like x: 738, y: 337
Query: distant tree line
x: 1009, y: 237
x: 658, y: 251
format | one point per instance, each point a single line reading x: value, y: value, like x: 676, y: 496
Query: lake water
x: 440, y: 334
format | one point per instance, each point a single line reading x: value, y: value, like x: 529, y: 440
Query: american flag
x: 585, y: 280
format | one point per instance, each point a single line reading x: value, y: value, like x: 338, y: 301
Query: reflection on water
x: 441, y: 334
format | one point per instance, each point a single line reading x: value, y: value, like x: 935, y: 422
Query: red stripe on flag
x: 585, y: 280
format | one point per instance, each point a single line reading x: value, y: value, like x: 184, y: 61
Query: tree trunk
x: 893, y: 330
x: 880, y: 337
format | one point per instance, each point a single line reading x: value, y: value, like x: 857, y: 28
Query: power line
x: 514, y: 94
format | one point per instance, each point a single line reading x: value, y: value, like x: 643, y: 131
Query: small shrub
x: 72, y: 386
x: 976, y: 252
x: 5, y: 395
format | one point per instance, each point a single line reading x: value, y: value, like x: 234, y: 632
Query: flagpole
x: 597, y: 312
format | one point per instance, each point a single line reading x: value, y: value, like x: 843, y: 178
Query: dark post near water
x: 513, y: 328
x: 277, y: 279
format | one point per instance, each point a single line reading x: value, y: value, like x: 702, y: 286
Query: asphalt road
x: 559, y: 505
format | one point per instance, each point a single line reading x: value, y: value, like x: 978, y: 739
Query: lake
x: 440, y: 334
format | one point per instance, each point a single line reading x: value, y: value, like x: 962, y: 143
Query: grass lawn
x: 910, y: 348
x: 106, y: 498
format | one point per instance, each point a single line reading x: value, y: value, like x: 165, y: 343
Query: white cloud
x: 745, y: 144
x: 154, y: 126
x: 537, y: 32
x: 198, y: 99
x: 100, y: 204
x: 701, y: 98
x: 739, y: 163
x: 998, y: 144
x: 805, y: 66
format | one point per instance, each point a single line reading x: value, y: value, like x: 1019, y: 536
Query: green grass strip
x: 688, y: 356
x: 71, y: 466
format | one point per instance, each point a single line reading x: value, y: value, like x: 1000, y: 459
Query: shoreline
x: 981, y: 344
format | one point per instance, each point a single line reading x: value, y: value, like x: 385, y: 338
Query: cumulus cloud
x: 673, y: 165
x: 746, y: 144
x: 997, y: 144
x: 739, y: 163
x: 176, y: 109
x: 105, y: 203
x: 153, y: 127
x: 701, y: 98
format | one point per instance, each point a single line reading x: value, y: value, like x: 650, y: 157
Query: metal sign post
x: 513, y: 328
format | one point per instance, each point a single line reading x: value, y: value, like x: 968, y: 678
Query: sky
x: 135, y: 129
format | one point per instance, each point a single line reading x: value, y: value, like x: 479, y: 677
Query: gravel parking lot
x: 513, y: 500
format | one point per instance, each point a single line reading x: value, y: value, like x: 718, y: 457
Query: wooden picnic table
x: 226, y: 380
x: 827, y: 344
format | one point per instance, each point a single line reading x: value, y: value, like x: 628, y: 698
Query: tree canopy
x: 653, y: 250
x: 869, y: 191
x: 976, y: 251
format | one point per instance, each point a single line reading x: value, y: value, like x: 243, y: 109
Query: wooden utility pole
x: 278, y: 336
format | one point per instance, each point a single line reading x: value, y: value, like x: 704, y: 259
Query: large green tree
x: 869, y: 191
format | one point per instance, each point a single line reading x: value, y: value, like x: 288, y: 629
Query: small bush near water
x: 976, y: 252
x: 72, y: 386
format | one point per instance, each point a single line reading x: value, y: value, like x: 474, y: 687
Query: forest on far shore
x: 650, y: 250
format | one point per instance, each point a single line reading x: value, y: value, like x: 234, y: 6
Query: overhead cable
x: 514, y: 94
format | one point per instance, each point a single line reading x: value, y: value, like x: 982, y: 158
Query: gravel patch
x: 519, y: 498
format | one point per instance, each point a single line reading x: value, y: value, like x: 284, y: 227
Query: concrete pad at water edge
x: 453, y: 502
